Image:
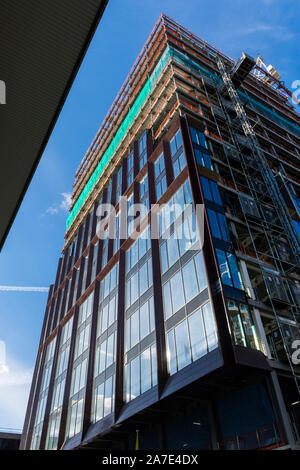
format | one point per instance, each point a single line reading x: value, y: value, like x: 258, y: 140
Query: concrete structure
x: 42, y: 46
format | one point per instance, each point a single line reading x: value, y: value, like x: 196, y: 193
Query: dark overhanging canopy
x: 42, y: 44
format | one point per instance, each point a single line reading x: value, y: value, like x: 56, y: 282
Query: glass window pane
x: 144, y: 320
x: 110, y: 350
x: 224, y: 268
x: 102, y: 360
x: 154, y: 364
x: 234, y: 271
x: 134, y: 288
x: 143, y: 275
x: 145, y: 370
x: 201, y: 276
x: 163, y: 257
x: 135, y: 377
x: 177, y: 292
x: 134, y: 322
x: 213, y: 222
x: 104, y: 318
x: 190, y: 280
x: 99, y: 402
x: 197, y: 335
x: 237, y: 327
x: 206, y: 188
x: 173, y: 253
x: 182, y: 345
x: 79, y: 416
x: 249, y: 328
x: 215, y: 192
x: 171, y: 353
x: 107, y: 396
x: 223, y: 227
x: 209, y: 327
x: 151, y: 311
x: 167, y: 300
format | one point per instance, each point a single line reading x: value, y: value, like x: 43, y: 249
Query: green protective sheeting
x: 146, y: 90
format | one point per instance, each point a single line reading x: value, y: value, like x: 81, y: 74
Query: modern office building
x: 191, y: 344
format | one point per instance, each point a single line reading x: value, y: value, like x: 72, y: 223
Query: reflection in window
x: 130, y: 168
x: 210, y: 190
x: 119, y: 185
x: 138, y: 283
x: 138, y: 280
x: 160, y: 179
x: 218, y: 225
x: 229, y: 271
x: 177, y: 154
x: 103, y: 399
x: 144, y: 196
x: 143, y: 150
x: 79, y: 369
x: 141, y: 373
x: 198, y: 137
x: 203, y: 158
x: 191, y: 339
x: 243, y: 328
x: 43, y: 393
x: 175, y: 207
x: 105, y: 352
x: 138, y: 249
x: 59, y: 386
x: 139, y: 324
x: 184, y: 285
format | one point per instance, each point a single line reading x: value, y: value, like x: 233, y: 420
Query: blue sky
x: 30, y: 254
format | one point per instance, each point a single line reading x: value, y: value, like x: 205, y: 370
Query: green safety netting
x: 146, y: 90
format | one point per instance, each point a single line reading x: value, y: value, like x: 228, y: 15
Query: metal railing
x: 266, y: 438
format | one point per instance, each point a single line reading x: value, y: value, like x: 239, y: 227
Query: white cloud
x: 15, y: 381
x: 277, y: 32
x: 52, y: 210
x: 255, y: 29
x: 24, y: 289
x: 66, y: 201
x: 62, y: 206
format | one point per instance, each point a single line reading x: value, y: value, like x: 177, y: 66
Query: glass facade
x: 140, y: 356
x: 105, y: 354
x: 43, y: 393
x: 142, y: 150
x: 189, y: 322
x: 243, y: 328
x: 160, y: 176
x: 229, y: 270
x: 177, y: 154
x: 59, y: 385
x: 130, y: 168
x: 79, y: 368
x: 191, y: 338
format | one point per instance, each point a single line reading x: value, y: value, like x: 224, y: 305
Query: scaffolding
x: 228, y: 96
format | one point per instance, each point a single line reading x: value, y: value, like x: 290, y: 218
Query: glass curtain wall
x: 105, y: 352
